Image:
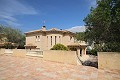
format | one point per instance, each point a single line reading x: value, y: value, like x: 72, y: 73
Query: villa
x: 45, y: 39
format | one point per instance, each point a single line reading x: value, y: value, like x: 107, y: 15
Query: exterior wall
x: 39, y: 42
x: 30, y: 39
x: 43, y: 42
x: 45, y: 39
x: 68, y: 57
x: 19, y: 52
x: 15, y: 52
x: 109, y: 60
x: 58, y: 39
x: 60, y: 56
x: 67, y: 39
x: 2, y: 51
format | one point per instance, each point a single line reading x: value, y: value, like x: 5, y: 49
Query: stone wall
x: 109, y: 60
x: 60, y: 56
x: 51, y: 55
x: 2, y: 51
x: 13, y: 52
x: 19, y: 52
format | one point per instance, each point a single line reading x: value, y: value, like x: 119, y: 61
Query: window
x: 51, y: 40
x: 59, y: 40
x: 47, y: 40
x: 70, y: 38
x: 38, y: 38
x: 55, y: 39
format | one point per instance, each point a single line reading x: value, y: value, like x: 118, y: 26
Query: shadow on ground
x: 92, y: 61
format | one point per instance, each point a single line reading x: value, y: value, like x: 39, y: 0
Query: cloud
x: 92, y: 3
x: 11, y: 8
x: 77, y: 29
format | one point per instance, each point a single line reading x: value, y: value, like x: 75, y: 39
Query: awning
x: 30, y: 46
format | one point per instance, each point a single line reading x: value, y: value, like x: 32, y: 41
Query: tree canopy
x: 80, y: 36
x: 103, y: 24
x: 13, y: 35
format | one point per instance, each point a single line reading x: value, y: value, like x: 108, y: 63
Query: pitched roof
x: 49, y: 31
x: 30, y: 44
x: 77, y: 44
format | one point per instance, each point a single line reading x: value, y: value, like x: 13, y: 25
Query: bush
x: 59, y: 47
x: 112, y: 47
x: 108, y: 47
x: 93, y: 52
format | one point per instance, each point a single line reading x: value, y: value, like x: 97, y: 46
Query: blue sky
x: 29, y: 15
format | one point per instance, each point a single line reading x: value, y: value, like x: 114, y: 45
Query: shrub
x: 93, y: 52
x: 108, y: 47
x: 112, y: 47
x: 59, y: 47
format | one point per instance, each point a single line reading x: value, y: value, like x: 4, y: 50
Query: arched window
x: 38, y: 38
x: 59, y: 39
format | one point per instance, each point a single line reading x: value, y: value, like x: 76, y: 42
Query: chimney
x: 43, y: 28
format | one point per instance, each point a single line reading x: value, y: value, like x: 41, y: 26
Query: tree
x: 59, y: 47
x: 80, y: 36
x: 13, y: 35
x: 103, y: 24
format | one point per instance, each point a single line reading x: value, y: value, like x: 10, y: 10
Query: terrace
x: 34, y: 68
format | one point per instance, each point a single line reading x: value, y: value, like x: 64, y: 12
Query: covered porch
x: 79, y: 47
x: 30, y: 46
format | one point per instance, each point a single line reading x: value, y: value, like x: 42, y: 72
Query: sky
x: 28, y: 15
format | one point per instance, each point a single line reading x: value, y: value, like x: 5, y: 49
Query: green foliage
x: 103, y: 24
x: 59, y: 47
x: 111, y: 47
x: 10, y: 46
x: 92, y: 52
x: 80, y: 36
x: 13, y: 35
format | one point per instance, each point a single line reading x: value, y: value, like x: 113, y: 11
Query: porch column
x: 78, y: 51
x: 84, y: 51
